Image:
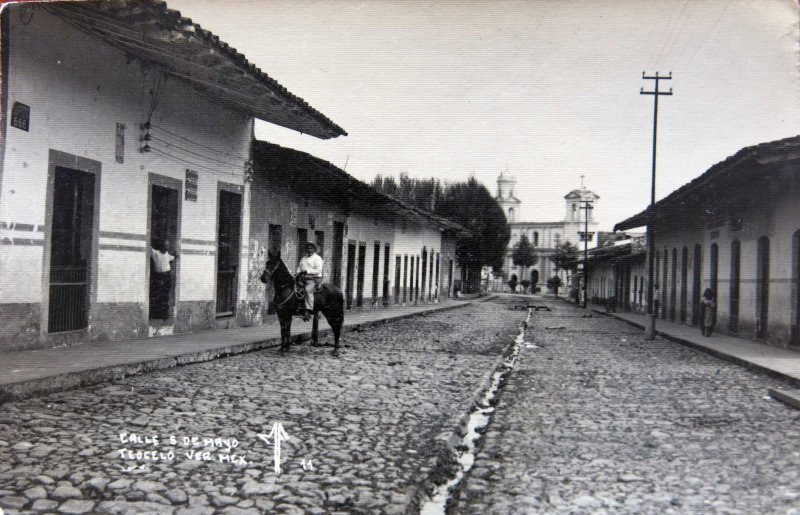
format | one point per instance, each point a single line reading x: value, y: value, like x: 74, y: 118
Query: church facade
x: 546, y: 237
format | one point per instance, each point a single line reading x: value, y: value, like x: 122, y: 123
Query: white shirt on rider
x: 311, y: 265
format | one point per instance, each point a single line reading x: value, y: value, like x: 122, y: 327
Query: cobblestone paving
x: 368, y: 426
x: 598, y: 420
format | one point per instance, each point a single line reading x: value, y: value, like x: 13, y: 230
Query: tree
x: 468, y: 204
x: 471, y: 205
x: 564, y: 258
x: 524, y: 256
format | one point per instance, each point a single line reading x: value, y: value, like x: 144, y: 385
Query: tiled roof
x: 790, y: 147
x: 307, y: 174
x: 150, y: 31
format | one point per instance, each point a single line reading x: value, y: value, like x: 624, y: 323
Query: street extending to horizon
x: 591, y: 418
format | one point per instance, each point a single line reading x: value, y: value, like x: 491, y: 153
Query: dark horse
x: 290, y: 297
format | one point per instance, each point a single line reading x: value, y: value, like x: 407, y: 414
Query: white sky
x: 547, y: 89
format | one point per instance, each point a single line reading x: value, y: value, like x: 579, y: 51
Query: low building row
x: 126, y: 124
x: 734, y: 230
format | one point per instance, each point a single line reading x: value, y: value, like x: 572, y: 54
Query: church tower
x: 505, y: 196
x: 578, y: 220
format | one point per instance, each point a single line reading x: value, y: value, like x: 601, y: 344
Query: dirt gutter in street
x: 478, y: 420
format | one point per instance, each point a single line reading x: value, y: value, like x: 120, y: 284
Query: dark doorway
x: 697, y: 281
x: 713, y: 268
x: 163, y: 228
x: 664, y: 284
x: 397, y: 266
x: 228, y: 242
x: 450, y: 279
x: 627, y: 299
x: 673, y: 292
x: 534, y: 279
x: 71, y: 250
x: 733, y: 317
x: 762, y: 288
x: 424, y: 270
x: 302, y: 239
x: 376, y: 268
x: 405, y: 278
x: 336, y: 255
x: 795, y: 331
x: 430, y: 280
x: 438, y: 283
x: 386, y: 275
x: 275, y: 238
x: 319, y: 239
x: 416, y: 278
x: 684, y: 282
x: 351, y: 270
x: 362, y: 262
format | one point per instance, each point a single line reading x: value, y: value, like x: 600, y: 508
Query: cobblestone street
x: 594, y: 419
x: 365, y: 431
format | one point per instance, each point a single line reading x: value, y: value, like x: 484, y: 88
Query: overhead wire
x: 709, y: 31
x: 196, y: 143
x: 149, y: 148
x: 674, y: 26
x: 150, y: 137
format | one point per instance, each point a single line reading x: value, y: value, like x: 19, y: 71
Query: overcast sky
x: 546, y: 89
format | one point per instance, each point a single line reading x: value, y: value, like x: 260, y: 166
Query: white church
x: 546, y: 236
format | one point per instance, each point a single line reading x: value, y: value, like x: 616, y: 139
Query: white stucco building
x: 113, y: 142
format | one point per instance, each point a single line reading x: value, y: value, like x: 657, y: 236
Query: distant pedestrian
x: 160, y: 278
x: 708, y: 312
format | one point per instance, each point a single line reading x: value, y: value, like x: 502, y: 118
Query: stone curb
x: 57, y: 383
x: 446, y: 451
x: 713, y: 352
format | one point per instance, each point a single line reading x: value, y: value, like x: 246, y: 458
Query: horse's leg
x: 335, y: 320
x: 315, y: 329
x: 337, y: 330
x: 286, y: 329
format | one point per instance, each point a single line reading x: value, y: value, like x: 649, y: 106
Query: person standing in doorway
x: 311, y: 267
x: 160, y: 278
x: 708, y: 312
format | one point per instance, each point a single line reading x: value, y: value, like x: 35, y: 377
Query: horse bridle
x: 299, y: 294
x: 270, y: 272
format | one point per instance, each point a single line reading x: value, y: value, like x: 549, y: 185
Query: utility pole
x: 587, y: 205
x: 650, y: 325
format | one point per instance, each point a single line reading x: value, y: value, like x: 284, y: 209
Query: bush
x: 525, y: 284
x: 554, y: 283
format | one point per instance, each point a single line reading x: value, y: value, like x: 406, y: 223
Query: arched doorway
x: 733, y: 308
x: 534, y: 279
x: 762, y: 288
x: 664, y: 284
x: 673, y: 292
x: 684, y: 282
x: 697, y: 281
x: 713, y: 269
x: 795, y: 331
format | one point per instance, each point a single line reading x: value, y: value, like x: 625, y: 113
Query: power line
x: 150, y: 137
x: 148, y: 148
x: 196, y: 143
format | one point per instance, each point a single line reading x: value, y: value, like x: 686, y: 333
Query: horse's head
x: 273, y: 264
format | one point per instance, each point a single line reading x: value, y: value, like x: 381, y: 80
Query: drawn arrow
x: 278, y: 435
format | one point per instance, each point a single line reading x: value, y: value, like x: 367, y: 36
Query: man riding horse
x: 310, y: 267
